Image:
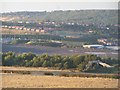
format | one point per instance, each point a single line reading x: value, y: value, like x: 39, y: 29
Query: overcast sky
x: 50, y: 6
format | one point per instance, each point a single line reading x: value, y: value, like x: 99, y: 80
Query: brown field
x: 29, y: 81
x: 36, y: 81
x: 29, y: 68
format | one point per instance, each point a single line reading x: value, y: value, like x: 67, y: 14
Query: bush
x: 48, y: 73
x: 116, y: 77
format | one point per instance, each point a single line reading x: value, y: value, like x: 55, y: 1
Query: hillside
x: 76, y: 16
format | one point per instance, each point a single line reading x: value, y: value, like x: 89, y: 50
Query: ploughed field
x: 52, y: 81
x: 22, y: 48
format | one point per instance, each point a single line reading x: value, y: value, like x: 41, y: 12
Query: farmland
x: 46, y: 81
x: 28, y: 81
x: 22, y: 48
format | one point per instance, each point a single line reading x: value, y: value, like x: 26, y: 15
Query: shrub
x: 48, y: 73
x: 116, y: 77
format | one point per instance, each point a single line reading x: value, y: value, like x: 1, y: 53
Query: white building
x: 93, y: 46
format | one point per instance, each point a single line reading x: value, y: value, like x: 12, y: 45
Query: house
x: 21, y: 28
x: 28, y: 29
x: 5, y: 26
x: 32, y: 29
x: 13, y: 27
x: 24, y: 28
x: 10, y: 27
x: 102, y: 40
x: 93, y: 46
x: 17, y: 27
x: 37, y: 30
x: 42, y: 31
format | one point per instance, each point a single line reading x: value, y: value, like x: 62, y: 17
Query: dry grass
x: 29, y: 68
x: 35, y: 81
x: 29, y: 81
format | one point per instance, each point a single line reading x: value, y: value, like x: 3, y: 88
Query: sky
x: 33, y: 5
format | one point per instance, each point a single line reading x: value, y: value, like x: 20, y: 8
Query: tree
x: 28, y: 63
x: 28, y: 56
x: 81, y: 66
x: 90, y: 57
x: 66, y: 66
x: 46, y: 64
x: 77, y: 59
x: 8, y: 60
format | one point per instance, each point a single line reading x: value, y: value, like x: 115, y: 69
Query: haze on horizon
x: 53, y: 6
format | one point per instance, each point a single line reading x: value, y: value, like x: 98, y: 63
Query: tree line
x: 76, y: 16
x: 44, y: 60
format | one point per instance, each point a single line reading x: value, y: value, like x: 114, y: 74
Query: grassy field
x: 28, y: 81
x: 46, y: 81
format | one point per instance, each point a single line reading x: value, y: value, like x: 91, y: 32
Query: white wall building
x: 93, y: 46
